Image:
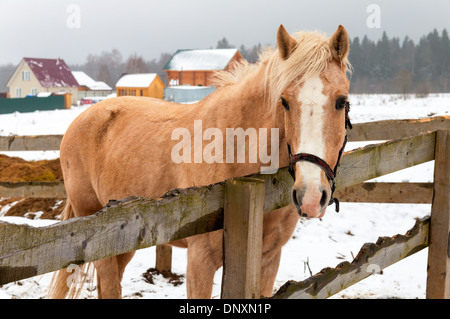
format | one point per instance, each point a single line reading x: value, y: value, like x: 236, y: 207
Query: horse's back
x: 104, y: 149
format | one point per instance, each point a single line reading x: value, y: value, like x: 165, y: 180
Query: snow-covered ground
x: 316, y: 243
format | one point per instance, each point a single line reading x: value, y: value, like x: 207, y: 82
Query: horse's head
x: 314, y: 99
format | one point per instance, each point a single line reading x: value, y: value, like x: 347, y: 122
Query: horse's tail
x: 68, y: 282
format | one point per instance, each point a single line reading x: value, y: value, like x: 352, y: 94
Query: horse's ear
x: 340, y: 44
x: 286, y: 43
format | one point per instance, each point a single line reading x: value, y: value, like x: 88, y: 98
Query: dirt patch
x: 33, y: 208
x: 174, y: 279
x: 15, y: 169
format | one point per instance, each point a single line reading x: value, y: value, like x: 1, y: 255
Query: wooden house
x: 89, y: 87
x: 195, y: 67
x: 140, y: 84
x: 33, y: 76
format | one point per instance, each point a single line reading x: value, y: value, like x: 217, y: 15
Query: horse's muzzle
x: 310, y: 202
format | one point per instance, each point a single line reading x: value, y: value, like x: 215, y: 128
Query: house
x: 88, y: 87
x: 34, y: 75
x: 195, y: 67
x: 140, y: 84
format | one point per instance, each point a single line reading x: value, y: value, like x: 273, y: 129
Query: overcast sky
x: 71, y: 29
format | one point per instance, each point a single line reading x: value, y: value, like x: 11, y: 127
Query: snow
x: 316, y: 243
x: 85, y: 80
x: 139, y: 80
x: 197, y: 60
x: 36, y: 63
x: 44, y: 94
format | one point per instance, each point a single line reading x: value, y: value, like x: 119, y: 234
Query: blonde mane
x: 309, y: 59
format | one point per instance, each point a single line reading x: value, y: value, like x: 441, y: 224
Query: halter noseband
x: 330, y: 173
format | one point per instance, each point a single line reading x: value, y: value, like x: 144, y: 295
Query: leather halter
x: 330, y: 173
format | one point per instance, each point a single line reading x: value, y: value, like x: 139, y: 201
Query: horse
x: 124, y: 146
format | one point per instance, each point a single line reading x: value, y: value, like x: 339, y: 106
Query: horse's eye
x: 285, y: 104
x: 342, y: 103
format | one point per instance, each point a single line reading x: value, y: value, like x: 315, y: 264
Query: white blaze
x: 311, y: 126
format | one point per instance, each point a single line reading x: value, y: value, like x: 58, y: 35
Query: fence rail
x: 30, y: 143
x: 372, y: 258
x: 371, y: 131
x: 393, y: 129
x: 136, y: 223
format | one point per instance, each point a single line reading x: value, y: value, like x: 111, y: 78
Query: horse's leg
x: 204, y: 258
x: 269, y: 270
x: 278, y: 228
x: 109, y: 275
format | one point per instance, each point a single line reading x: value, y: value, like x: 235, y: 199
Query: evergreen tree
x: 445, y: 62
x: 224, y: 44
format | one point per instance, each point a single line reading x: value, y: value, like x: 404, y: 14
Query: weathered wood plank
x: 372, y: 257
x: 417, y: 193
x: 242, y: 238
x: 30, y: 143
x: 122, y: 226
x: 377, y: 130
x: 394, y: 129
x: 369, y: 162
x: 33, y: 189
x: 438, y: 280
x: 357, y: 166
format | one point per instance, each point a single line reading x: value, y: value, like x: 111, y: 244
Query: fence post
x: 438, y: 280
x: 242, y: 238
x: 163, y: 258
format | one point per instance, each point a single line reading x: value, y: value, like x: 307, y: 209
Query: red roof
x: 52, y: 72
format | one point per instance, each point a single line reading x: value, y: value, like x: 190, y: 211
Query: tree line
x: 387, y: 65
x: 393, y: 66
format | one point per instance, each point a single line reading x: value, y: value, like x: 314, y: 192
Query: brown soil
x: 26, y: 207
x: 174, y: 279
x: 14, y: 169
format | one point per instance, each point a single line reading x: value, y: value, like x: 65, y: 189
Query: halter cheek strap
x: 330, y: 173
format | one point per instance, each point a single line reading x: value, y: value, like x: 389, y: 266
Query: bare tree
x: 404, y: 81
x: 136, y: 64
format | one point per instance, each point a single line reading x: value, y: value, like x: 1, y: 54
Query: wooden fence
x: 135, y: 223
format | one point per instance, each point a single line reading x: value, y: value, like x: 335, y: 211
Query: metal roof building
x: 195, y: 67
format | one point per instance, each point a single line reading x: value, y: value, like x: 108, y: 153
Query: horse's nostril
x: 294, y: 198
x: 323, y: 199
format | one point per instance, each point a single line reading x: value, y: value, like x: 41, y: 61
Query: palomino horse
x: 123, y: 146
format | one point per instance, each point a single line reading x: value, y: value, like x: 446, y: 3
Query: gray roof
x: 190, y: 60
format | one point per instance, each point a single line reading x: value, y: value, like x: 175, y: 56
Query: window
x: 18, y: 92
x: 142, y: 92
x: 26, y: 75
x: 34, y: 91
